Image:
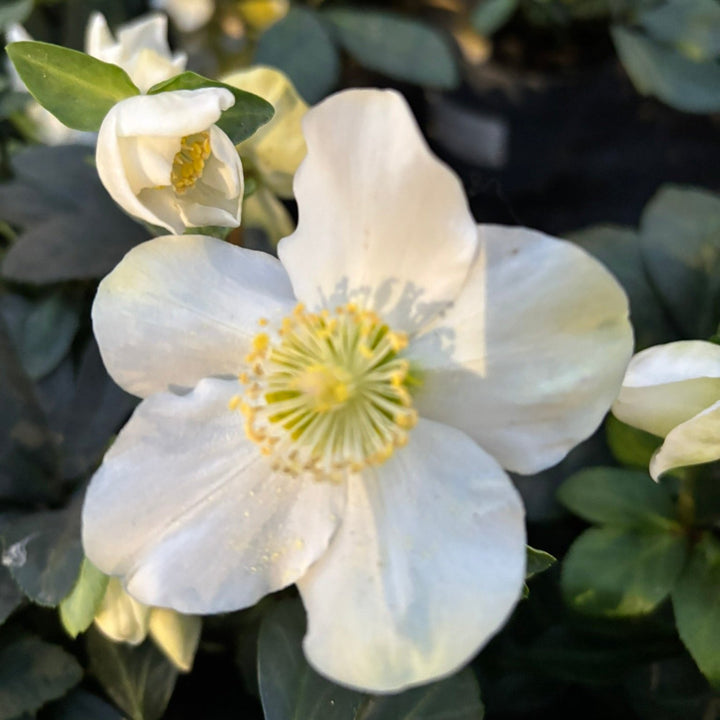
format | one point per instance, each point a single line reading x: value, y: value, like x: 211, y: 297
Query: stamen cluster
x: 328, y: 393
x: 189, y: 161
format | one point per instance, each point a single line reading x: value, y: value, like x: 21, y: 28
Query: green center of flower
x: 189, y: 161
x: 328, y: 392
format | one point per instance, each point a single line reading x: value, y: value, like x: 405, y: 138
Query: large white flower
x: 141, y: 48
x: 673, y: 391
x: 360, y: 454
x: 163, y: 160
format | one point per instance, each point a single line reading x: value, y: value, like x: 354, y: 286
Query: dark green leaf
x: 401, y: 47
x: 77, y: 610
x: 43, y: 336
x: 630, y: 446
x: 618, y: 497
x: 11, y: 597
x: 697, y: 609
x: 32, y: 673
x: 71, y: 228
x: 490, y: 15
x: 681, y: 245
x: 620, y: 250
x: 658, y: 70
x: 78, y: 89
x: 241, y: 120
x: 43, y: 553
x: 538, y: 561
x: 621, y: 573
x: 692, y: 26
x: 28, y: 460
x: 81, y: 705
x: 139, y: 679
x: 291, y: 690
x: 300, y: 46
x: 14, y: 11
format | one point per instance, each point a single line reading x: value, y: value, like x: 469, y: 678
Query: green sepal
x: 76, y: 88
x: 77, y: 610
x: 239, y: 122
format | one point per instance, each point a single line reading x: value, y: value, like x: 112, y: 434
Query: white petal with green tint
x: 186, y: 510
x: 666, y: 385
x: 383, y: 223
x: 532, y: 353
x: 177, y: 309
x: 121, y: 617
x: 426, y: 566
x: 693, y: 442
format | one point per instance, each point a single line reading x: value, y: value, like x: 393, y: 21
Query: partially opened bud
x: 162, y: 159
x: 141, y: 49
x: 121, y: 617
x: 177, y: 635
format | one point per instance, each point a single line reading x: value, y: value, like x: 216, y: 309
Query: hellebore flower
x: 673, y: 391
x: 124, y: 619
x: 188, y: 15
x: 141, y: 48
x: 163, y: 160
x: 360, y: 453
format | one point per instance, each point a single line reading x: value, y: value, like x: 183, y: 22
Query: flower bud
x: 163, y: 160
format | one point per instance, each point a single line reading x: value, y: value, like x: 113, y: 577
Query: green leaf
x: 139, y: 679
x: 397, y: 46
x: 44, y: 554
x: 302, y: 48
x: 81, y: 705
x: 11, y: 597
x: 78, y: 609
x: 291, y: 690
x: 692, y: 26
x: 658, y: 70
x: 32, y: 673
x: 623, y: 498
x: 630, y: 446
x: 14, y: 11
x: 490, y: 15
x: 538, y: 561
x: 620, y: 250
x: 619, y: 572
x: 680, y: 231
x: 71, y: 227
x: 78, y: 89
x: 697, y: 610
x: 241, y: 120
x: 45, y: 334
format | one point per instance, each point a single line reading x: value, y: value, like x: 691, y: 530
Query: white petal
x: 694, y: 442
x: 121, y: 617
x: 177, y: 635
x: 177, y: 309
x: 99, y: 41
x: 188, y: 15
x: 427, y: 565
x: 382, y: 221
x: 532, y: 354
x: 187, y: 512
x: 668, y: 384
x: 174, y: 114
x: 278, y: 147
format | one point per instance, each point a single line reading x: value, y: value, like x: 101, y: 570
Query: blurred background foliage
x: 588, y: 119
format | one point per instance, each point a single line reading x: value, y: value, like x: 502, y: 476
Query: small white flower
x: 673, y: 391
x: 188, y: 15
x: 163, y: 160
x: 124, y: 619
x: 360, y: 454
x: 141, y: 48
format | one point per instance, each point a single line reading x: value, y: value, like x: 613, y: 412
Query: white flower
x: 124, y: 619
x: 188, y: 15
x: 141, y: 48
x: 360, y: 455
x: 163, y: 160
x: 673, y: 391
x: 277, y: 148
